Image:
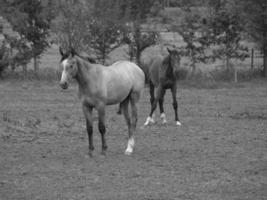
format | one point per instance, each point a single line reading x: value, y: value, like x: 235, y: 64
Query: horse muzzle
x: 64, y: 85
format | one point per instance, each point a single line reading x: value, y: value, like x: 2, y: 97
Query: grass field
x: 219, y: 153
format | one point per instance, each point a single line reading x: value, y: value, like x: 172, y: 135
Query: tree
x: 138, y: 41
x: 134, y: 14
x: 255, y: 20
x: 89, y: 26
x: 227, y: 28
x: 19, y: 53
x: 3, y: 58
x: 28, y: 18
x: 106, y: 29
x: 70, y: 25
x: 196, y: 35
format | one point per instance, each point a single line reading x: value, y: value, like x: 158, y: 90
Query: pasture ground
x: 220, y: 152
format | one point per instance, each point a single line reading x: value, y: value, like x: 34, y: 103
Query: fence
x: 254, y: 54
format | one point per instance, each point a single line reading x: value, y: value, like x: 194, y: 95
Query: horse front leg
x: 87, y: 110
x: 102, y: 127
x: 161, y: 108
x: 175, y: 105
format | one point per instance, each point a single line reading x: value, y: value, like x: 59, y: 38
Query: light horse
x: 161, y: 75
x: 99, y: 85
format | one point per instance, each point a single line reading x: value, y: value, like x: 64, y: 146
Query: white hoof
x: 130, y: 146
x: 128, y: 152
x: 163, y: 117
x: 178, y: 123
x: 149, y: 120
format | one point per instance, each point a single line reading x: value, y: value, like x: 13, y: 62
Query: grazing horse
x: 161, y: 75
x: 122, y: 83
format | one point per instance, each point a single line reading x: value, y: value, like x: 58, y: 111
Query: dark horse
x: 122, y: 83
x: 161, y: 75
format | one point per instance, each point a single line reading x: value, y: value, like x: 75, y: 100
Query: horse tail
x: 145, y: 69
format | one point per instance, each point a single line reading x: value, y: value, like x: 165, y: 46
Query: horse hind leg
x: 150, y: 119
x: 134, y: 98
x: 102, y: 127
x: 124, y: 108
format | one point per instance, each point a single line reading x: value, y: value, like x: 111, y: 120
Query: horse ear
x: 169, y: 50
x: 72, y: 52
x: 61, y: 51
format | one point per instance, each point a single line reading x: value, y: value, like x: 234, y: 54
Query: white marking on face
x: 64, y: 75
x: 130, y: 146
x: 64, y: 63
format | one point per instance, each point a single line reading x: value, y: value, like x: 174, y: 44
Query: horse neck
x: 83, y: 74
x: 168, y: 66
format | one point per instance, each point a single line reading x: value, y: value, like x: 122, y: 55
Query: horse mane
x: 166, y: 63
x: 86, y: 58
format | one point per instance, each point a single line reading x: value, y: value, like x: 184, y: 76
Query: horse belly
x: 117, y: 92
x: 168, y: 84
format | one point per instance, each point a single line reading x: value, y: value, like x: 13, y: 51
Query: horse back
x: 124, y: 76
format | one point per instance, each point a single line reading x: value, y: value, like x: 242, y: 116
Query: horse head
x: 174, y: 59
x: 69, y: 66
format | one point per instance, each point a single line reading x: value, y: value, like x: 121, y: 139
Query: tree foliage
x: 89, y: 26
x: 227, y: 28
x: 255, y: 21
x: 29, y: 19
x: 70, y: 25
x: 135, y: 14
x: 106, y: 29
x: 3, y: 58
x: 210, y: 32
x: 196, y: 36
x: 138, y: 41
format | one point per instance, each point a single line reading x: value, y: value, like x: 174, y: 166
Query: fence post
x: 235, y: 75
x: 252, y: 58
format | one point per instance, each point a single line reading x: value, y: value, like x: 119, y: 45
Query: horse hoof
x: 164, y: 122
x: 149, y: 121
x: 143, y: 127
x: 178, y: 123
x: 119, y: 112
x: 128, y: 153
x: 90, y: 154
x: 103, y: 153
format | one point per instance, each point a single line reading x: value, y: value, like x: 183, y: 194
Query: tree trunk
x: 104, y: 48
x: 138, y: 57
x: 252, y: 59
x: 192, y: 73
x: 235, y: 75
x: 131, y: 51
x: 227, y: 63
x: 11, y: 60
x: 24, y: 68
x: 265, y: 62
x: 36, y: 67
